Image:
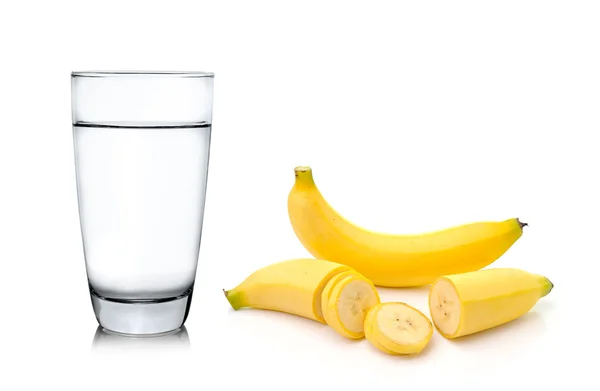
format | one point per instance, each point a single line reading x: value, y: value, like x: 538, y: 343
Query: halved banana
x: 397, y: 328
x: 351, y: 299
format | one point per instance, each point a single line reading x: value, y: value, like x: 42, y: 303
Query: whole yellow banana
x: 393, y: 260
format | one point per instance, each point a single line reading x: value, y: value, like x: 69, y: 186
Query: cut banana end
x: 328, y: 290
x: 350, y: 300
x: 397, y: 328
x: 444, y: 307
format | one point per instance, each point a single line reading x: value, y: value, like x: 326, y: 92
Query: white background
x: 414, y: 116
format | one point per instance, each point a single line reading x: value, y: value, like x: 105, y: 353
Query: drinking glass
x: 141, y: 143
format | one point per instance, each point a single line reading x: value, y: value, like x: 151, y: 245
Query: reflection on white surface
x: 514, y: 336
x: 104, y: 340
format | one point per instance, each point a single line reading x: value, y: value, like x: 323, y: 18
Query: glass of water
x: 142, y: 142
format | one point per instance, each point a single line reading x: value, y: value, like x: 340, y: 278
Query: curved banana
x: 393, y: 260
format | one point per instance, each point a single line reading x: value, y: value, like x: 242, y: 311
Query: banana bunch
x: 338, y: 286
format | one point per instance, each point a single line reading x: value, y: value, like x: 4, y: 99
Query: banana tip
x: 548, y: 287
x: 235, y: 298
x: 521, y: 224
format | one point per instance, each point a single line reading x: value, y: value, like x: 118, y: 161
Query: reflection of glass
x: 178, y: 339
x: 142, y: 142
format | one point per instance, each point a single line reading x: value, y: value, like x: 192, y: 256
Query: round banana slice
x: 397, y: 328
x: 350, y: 300
x: 369, y: 332
x: 444, y: 307
x: 326, y: 294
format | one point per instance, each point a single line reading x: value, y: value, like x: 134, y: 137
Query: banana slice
x: 444, y: 307
x: 350, y: 300
x: 370, y: 333
x: 326, y: 294
x: 397, y: 328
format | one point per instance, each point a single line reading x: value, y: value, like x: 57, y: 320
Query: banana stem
x: 304, y: 175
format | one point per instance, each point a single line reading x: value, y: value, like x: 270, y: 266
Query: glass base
x: 142, y: 317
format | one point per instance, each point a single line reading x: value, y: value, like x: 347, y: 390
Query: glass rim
x: 187, y: 74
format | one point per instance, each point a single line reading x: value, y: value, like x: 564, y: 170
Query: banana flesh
x: 445, y: 307
x: 352, y: 297
x: 397, y: 328
x: 328, y: 290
